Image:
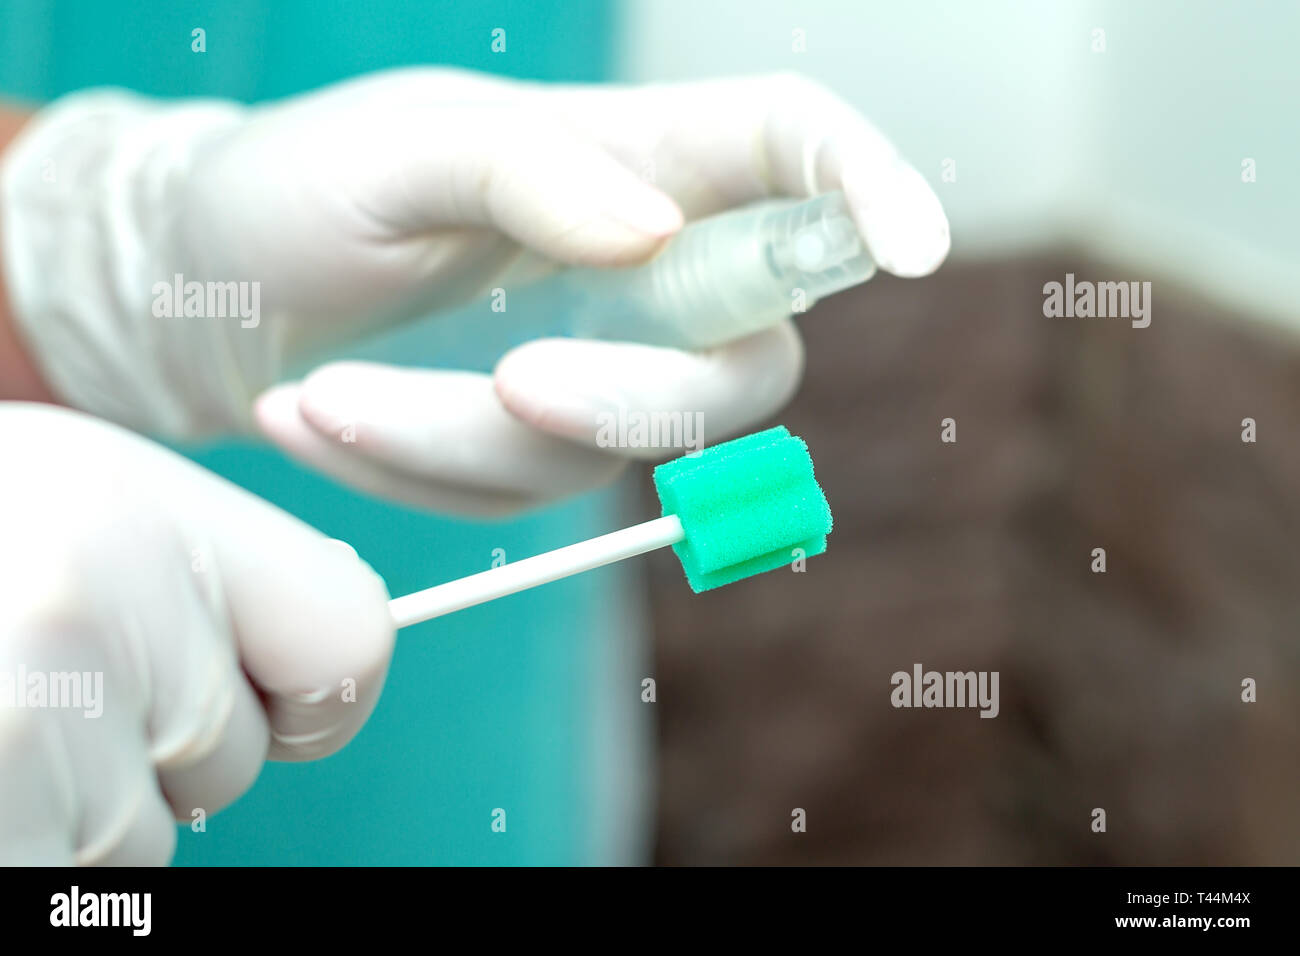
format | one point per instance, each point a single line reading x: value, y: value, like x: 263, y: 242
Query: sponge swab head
x: 745, y: 506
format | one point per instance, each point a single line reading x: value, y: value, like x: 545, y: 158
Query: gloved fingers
x: 155, y: 548
x: 522, y: 174
x: 109, y: 655
x: 280, y: 421
x: 124, y: 818
x: 207, y: 732
x: 38, y: 802
x: 437, y: 438
x: 643, y: 401
x: 197, y: 787
x: 44, y: 821
x: 308, y: 619
x: 584, y: 174
x: 720, y: 143
x: 79, y: 786
x: 147, y: 835
x: 311, y: 622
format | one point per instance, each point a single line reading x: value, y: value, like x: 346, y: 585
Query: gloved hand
x: 207, y: 628
x: 395, y: 195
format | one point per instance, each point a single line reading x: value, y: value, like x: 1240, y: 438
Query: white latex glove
x: 395, y: 195
x: 223, y: 629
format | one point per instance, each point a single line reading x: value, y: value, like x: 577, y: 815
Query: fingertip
x: 575, y: 203
x: 635, y: 400
x: 609, y: 240
x: 901, y: 218
x: 275, y: 411
x: 648, y: 210
x: 523, y: 382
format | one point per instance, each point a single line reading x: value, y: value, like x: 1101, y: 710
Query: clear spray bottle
x: 721, y: 278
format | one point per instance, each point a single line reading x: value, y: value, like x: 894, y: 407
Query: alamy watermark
x: 131, y: 911
x: 59, y: 690
x: 208, y: 300
x: 922, y: 688
x: 628, y: 429
x: 1102, y: 300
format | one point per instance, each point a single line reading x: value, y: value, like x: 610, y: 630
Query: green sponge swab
x: 745, y: 505
x: 732, y: 511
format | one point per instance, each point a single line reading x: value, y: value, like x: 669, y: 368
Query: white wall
x: 1189, y: 91
x: 1134, y: 152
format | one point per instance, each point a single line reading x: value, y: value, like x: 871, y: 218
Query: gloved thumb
x: 532, y: 178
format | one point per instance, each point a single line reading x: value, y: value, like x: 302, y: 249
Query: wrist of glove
x: 91, y: 196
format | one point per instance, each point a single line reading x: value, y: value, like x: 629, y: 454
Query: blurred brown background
x: 1119, y: 690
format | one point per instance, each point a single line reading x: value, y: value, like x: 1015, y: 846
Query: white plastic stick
x: 530, y: 572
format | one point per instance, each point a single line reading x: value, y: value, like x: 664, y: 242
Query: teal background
x: 493, y: 707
